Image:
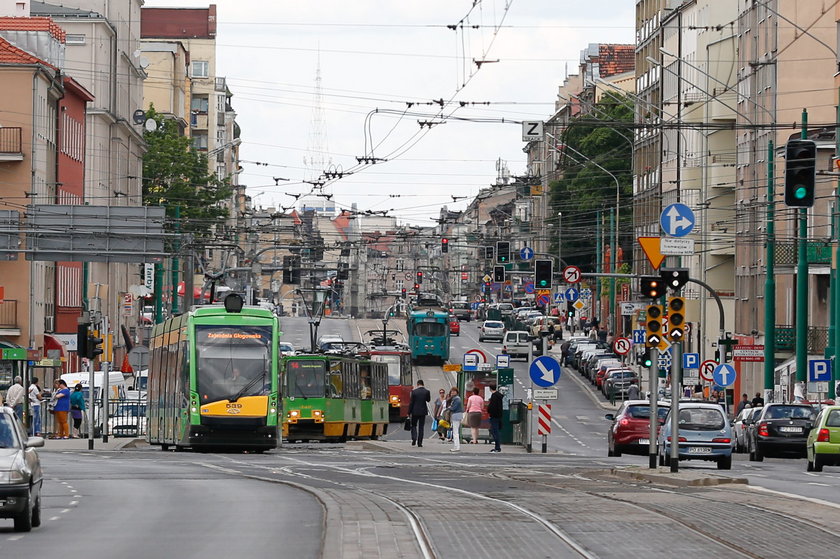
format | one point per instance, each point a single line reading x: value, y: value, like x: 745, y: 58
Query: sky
x: 378, y: 56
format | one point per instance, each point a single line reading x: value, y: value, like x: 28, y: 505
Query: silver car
x: 491, y: 330
x: 20, y: 473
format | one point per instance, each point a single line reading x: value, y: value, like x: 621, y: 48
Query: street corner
x: 683, y: 478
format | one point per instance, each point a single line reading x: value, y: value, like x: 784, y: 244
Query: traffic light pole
x: 770, y: 280
x: 653, y: 389
x: 802, y: 283
x: 676, y: 374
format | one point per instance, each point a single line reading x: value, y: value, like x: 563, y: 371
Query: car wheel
x: 725, y: 463
x: 661, y: 460
x: 480, y: 339
x: 809, y: 467
x: 617, y: 453
x: 818, y: 463
x: 756, y: 456
x: 23, y: 522
x: 610, y: 452
x: 666, y: 460
x: 36, y: 514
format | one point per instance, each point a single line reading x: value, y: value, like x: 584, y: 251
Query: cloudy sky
x: 376, y: 57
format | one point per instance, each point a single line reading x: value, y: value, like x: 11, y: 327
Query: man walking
x: 419, y: 409
x: 494, y: 410
x: 14, y: 397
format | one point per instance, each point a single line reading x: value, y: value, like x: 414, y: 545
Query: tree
x: 599, y: 139
x: 175, y: 175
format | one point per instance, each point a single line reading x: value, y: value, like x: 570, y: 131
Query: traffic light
x: 676, y: 318
x: 646, y: 360
x: 403, y: 292
x: 81, y: 340
x: 570, y: 310
x: 488, y: 253
x: 499, y: 274
x: 674, y: 278
x: 419, y: 278
x: 800, y: 173
x: 543, y: 270
x: 653, y: 325
x: 444, y: 245
x: 502, y: 252
x: 93, y: 346
x: 651, y: 287
x: 287, y: 269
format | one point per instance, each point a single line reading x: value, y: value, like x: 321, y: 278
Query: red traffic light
x: 444, y: 245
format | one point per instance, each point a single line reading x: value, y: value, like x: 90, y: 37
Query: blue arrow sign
x: 638, y: 336
x: 545, y: 371
x: 691, y: 360
x: 526, y: 253
x: 724, y: 374
x: 572, y: 294
x: 677, y: 220
x: 819, y: 370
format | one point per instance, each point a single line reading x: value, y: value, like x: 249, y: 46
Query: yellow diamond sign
x: 578, y: 304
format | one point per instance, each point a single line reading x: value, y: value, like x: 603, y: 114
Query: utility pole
x: 770, y: 281
x: 613, y: 269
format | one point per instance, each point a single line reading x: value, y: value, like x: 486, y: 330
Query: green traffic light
x: 800, y: 193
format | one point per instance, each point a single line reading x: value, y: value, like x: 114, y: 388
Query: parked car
x: 22, y: 479
x: 780, y: 429
x: 619, y: 382
x: 505, y: 308
x: 454, y: 326
x: 604, y: 367
x: 128, y: 420
x: 491, y: 330
x: 461, y: 309
x: 823, y: 446
x: 739, y: 427
x: 543, y: 326
x: 517, y: 343
x: 705, y: 434
x: 630, y: 428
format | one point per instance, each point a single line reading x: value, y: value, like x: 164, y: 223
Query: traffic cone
x: 126, y: 366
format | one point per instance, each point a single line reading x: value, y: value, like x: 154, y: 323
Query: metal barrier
x: 126, y: 418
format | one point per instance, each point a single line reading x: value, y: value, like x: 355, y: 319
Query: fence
x: 126, y: 418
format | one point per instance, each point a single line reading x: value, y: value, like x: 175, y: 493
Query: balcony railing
x: 819, y: 252
x: 10, y: 144
x: 8, y: 314
x: 786, y: 338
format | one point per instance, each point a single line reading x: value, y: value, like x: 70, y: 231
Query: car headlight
x: 11, y: 476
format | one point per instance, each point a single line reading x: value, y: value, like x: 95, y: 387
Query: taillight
x: 722, y: 440
x: 762, y: 429
x: 624, y: 421
x: 681, y: 439
x: 823, y: 436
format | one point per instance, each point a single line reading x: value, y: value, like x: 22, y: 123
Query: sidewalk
x: 64, y: 445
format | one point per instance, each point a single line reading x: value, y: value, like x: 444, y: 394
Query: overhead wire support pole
x: 835, y: 294
x: 770, y: 281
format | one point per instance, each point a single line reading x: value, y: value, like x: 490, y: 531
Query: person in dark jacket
x: 418, y: 408
x: 494, y: 410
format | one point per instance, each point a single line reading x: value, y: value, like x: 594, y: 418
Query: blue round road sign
x: 677, y: 220
x: 724, y: 374
x: 526, y: 253
x: 545, y: 371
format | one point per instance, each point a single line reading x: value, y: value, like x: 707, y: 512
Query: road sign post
x: 544, y: 424
x: 676, y: 369
x: 653, y: 390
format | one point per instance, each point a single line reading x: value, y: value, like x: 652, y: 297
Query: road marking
x: 64, y: 511
x: 74, y: 503
x: 14, y: 538
x: 820, y: 484
x: 54, y: 518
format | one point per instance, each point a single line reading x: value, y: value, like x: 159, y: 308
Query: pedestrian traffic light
x: 499, y: 274
x: 488, y: 253
x: 653, y: 325
x: 543, y: 270
x: 81, y: 339
x: 570, y: 311
x: 419, y: 277
x: 800, y: 173
x: 93, y: 346
x: 676, y: 318
x: 674, y: 278
x: 403, y: 292
x: 651, y: 287
x: 646, y: 359
x: 503, y: 252
x: 444, y: 245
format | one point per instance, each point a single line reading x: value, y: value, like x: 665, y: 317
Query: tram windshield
x: 393, y: 362
x: 232, y: 361
x: 430, y: 329
x: 305, y: 378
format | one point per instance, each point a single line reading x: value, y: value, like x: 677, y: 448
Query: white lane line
x: 820, y: 484
x: 14, y: 538
x: 73, y: 503
x: 64, y: 511
x: 54, y: 518
x: 574, y: 438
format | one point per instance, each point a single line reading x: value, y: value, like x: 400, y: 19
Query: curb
x: 665, y: 477
x: 132, y: 443
x: 587, y: 388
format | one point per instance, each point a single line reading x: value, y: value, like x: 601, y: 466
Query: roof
x: 616, y: 59
x: 44, y: 9
x: 33, y: 24
x: 10, y: 54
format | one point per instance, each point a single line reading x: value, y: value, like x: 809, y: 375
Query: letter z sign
x: 532, y: 130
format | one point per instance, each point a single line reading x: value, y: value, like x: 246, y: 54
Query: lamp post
x: 559, y: 249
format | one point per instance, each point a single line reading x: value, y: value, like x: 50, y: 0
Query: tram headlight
x: 395, y: 401
x: 293, y: 416
x: 318, y: 416
x: 193, y: 409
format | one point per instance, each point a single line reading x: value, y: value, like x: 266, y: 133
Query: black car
x: 780, y: 429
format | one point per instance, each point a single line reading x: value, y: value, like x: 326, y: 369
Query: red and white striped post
x: 544, y: 424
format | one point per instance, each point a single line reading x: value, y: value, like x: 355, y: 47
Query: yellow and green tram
x: 213, y: 379
x: 333, y: 397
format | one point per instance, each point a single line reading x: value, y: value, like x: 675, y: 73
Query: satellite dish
x: 139, y: 116
x: 151, y: 125
x: 143, y: 62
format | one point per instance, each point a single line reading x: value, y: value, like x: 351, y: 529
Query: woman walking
x: 475, y: 405
x: 62, y: 408
x: 456, y: 407
x: 437, y: 413
x: 77, y: 410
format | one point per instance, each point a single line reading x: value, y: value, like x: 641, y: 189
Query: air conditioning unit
x: 49, y: 324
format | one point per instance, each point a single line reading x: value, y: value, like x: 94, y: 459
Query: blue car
x: 705, y: 434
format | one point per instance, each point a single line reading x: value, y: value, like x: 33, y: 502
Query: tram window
x: 430, y: 329
x: 305, y: 378
x: 367, y: 390
x: 335, y: 387
x: 350, y: 372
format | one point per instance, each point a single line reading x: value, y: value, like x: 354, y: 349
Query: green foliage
x: 599, y: 140
x: 176, y: 176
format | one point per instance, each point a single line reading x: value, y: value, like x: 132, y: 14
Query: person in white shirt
x: 14, y: 397
x: 35, y: 398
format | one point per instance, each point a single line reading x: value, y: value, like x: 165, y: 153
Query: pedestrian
x: 475, y: 406
x: 61, y: 409
x: 602, y: 335
x: 437, y: 413
x: 593, y: 334
x: 610, y: 339
x: 494, y: 410
x: 742, y: 404
x: 418, y: 408
x: 758, y: 400
x: 15, y: 396
x: 557, y: 330
x: 633, y: 392
x: 456, y: 409
x: 77, y: 409
x: 35, y: 398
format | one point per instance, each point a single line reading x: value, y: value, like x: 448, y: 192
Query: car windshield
x: 8, y: 438
x: 642, y: 411
x: 701, y: 419
x: 789, y: 412
x: 131, y: 410
x: 232, y: 361
x: 430, y: 329
x: 305, y: 378
x: 489, y: 324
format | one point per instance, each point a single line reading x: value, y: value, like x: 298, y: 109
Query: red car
x: 630, y: 429
x: 454, y: 326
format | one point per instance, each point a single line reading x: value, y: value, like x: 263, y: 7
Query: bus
x: 384, y: 347
x: 428, y: 335
x: 213, y: 379
x: 334, y: 397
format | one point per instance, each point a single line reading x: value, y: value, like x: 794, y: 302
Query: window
x: 75, y: 39
x: 198, y: 104
x: 200, y: 141
x: 220, y: 103
x: 200, y: 69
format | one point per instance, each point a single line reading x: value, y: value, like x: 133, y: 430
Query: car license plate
x: 790, y: 429
x: 699, y: 450
x: 644, y: 441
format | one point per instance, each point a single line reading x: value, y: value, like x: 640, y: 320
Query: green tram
x: 334, y: 397
x: 213, y: 379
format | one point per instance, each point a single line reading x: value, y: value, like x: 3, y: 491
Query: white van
x: 517, y: 343
x: 116, y: 384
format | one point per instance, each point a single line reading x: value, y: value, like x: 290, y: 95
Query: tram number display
x: 430, y: 320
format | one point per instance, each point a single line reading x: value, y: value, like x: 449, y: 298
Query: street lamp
x: 559, y: 241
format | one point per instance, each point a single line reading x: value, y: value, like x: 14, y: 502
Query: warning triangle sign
x: 651, y: 247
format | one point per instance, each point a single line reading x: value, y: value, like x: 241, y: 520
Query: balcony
x: 819, y: 252
x: 10, y: 145
x: 786, y: 339
x: 221, y: 84
x: 8, y: 318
